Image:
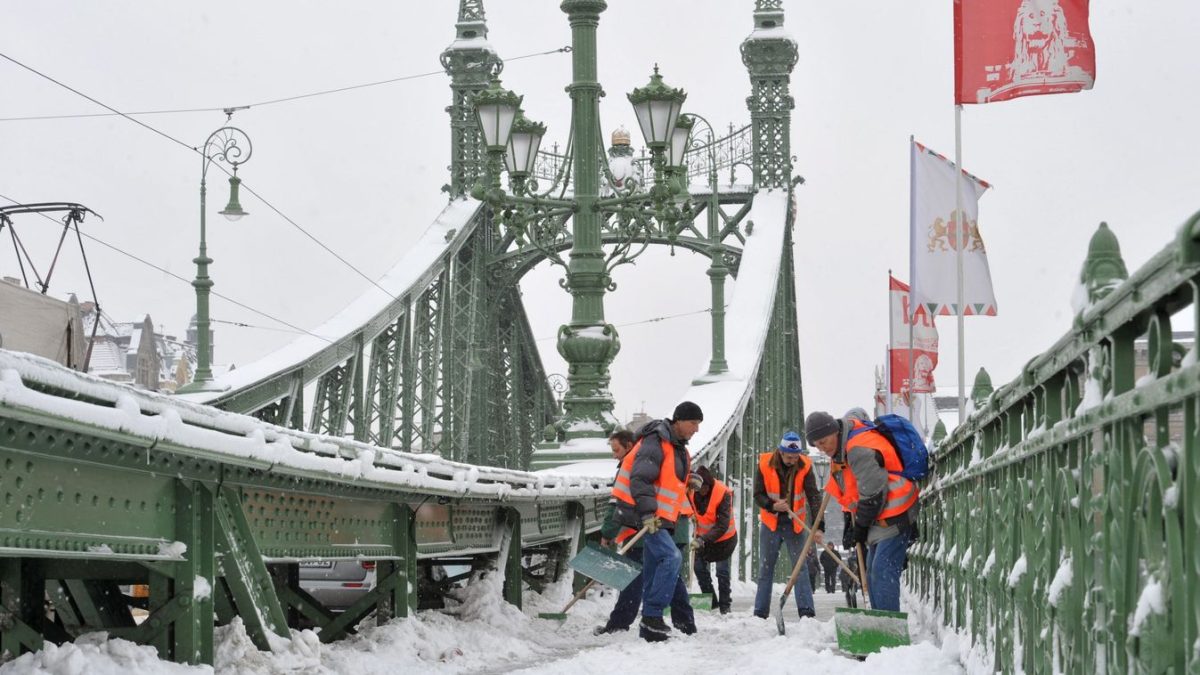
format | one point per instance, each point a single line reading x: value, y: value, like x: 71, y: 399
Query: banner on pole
x: 1004, y: 49
x: 935, y: 238
x: 923, y: 349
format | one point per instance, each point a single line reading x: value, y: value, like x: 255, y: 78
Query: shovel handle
x: 826, y: 551
x: 866, y: 591
x: 808, y: 542
x: 621, y: 551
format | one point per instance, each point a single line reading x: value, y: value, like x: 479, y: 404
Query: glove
x: 860, y: 534
x: 652, y: 524
x: 697, y: 544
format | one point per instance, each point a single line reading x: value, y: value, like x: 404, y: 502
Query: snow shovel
x: 601, y: 565
x: 696, y: 600
x: 866, y: 631
x: 801, y: 562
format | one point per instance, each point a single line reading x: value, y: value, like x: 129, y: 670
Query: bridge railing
x: 1061, y: 525
x: 104, y: 485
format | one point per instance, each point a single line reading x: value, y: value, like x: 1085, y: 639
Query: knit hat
x: 790, y: 443
x: 819, y: 425
x: 695, y: 481
x: 686, y: 412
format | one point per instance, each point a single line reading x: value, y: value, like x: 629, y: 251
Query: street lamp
x: 228, y: 145
x: 538, y: 219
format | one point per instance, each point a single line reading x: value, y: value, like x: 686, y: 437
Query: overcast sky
x: 361, y: 170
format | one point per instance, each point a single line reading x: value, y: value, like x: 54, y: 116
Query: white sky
x: 361, y: 170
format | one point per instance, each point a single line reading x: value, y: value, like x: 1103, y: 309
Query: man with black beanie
x: 651, y: 489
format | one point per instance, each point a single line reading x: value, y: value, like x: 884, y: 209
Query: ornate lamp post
x: 231, y: 146
x: 531, y: 218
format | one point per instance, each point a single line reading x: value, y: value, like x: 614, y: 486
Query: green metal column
x: 21, y: 615
x: 510, y: 556
x: 588, y: 343
x: 194, y: 526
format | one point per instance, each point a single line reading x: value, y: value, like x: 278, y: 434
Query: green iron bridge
x: 425, y: 433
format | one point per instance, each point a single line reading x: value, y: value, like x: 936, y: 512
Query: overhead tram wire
x: 402, y: 78
x: 653, y: 319
x: 245, y: 186
x: 169, y: 273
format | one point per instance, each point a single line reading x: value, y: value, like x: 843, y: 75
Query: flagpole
x: 958, y: 254
x: 912, y: 276
x: 891, y: 345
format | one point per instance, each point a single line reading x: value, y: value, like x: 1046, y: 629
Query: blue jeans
x: 630, y: 599
x: 885, y: 561
x: 660, y: 572
x: 769, y: 543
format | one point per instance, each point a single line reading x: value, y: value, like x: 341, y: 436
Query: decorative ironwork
x: 1060, y: 523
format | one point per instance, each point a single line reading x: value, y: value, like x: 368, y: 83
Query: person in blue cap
x: 785, y: 484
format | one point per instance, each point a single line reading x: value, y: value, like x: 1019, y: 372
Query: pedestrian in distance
x: 650, y: 490
x: 716, y: 535
x: 814, y: 569
x: 830, y: 568
x: 629, y: 600
x: 849, y: 584
x: 784, y: 481
x: 883, y: 503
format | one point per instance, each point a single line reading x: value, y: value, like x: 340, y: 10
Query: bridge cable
x: 196, y: 150
x: 260, y: 104
x: 186, y: 281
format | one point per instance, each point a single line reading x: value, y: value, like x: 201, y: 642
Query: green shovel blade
x: 867, y: 631
x: 605, y: 566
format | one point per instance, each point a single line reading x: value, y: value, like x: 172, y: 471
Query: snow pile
x: 95, y: 654
x: 1151, y: 601
x: 1062, y: 580
x: 1018, y: 571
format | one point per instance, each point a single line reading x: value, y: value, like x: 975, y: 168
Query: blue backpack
x: 907, y: 441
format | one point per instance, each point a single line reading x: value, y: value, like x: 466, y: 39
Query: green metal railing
x: 1060, y: 527
x: 103, y: 485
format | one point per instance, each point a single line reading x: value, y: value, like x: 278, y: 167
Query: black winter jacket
x: 646, y: 467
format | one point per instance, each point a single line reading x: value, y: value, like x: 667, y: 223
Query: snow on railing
x: 33, y: 386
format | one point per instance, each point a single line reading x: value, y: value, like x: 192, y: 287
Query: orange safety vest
x: 707, y: 520
x: 771, y: 483
x: 901, y: 492
x: 669, y: 490
x: 847, y: 497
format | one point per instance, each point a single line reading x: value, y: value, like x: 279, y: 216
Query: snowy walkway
x: 489, y: 636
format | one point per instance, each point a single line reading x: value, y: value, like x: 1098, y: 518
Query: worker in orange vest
x: 784, y: 481
x: 716, y: 534
x: 650, y: 490
x: 883, y: 502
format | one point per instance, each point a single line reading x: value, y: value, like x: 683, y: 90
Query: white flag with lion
x: 935, y: 238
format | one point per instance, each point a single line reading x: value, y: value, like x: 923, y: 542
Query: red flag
x: 924, y: 347
x: 1009, y: 48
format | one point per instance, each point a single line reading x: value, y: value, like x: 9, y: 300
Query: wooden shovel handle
x: 621, y: 551
x: 826, y: 551
x: 808, y: 542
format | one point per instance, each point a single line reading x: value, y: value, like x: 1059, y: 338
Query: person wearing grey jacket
x: 885, y: 505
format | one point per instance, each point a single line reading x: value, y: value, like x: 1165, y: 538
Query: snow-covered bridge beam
x: 214, y: 511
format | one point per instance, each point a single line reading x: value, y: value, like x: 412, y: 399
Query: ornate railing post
x: 769, y: 55
x: 470, y: 62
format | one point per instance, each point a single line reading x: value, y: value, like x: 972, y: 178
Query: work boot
x: 654, y: 629
x: 686, y: 628
x: 724, y: 609
x: 607, y: 629
x: 807, y: 613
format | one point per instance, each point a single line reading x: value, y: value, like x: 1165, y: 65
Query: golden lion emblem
x: 943, y: 236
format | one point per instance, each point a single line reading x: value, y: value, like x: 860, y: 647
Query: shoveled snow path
x: 486, y: 635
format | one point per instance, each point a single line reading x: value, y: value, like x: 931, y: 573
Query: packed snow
x: 1151, y: 601
x: 1062, y: 581
x: 481, y: 633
